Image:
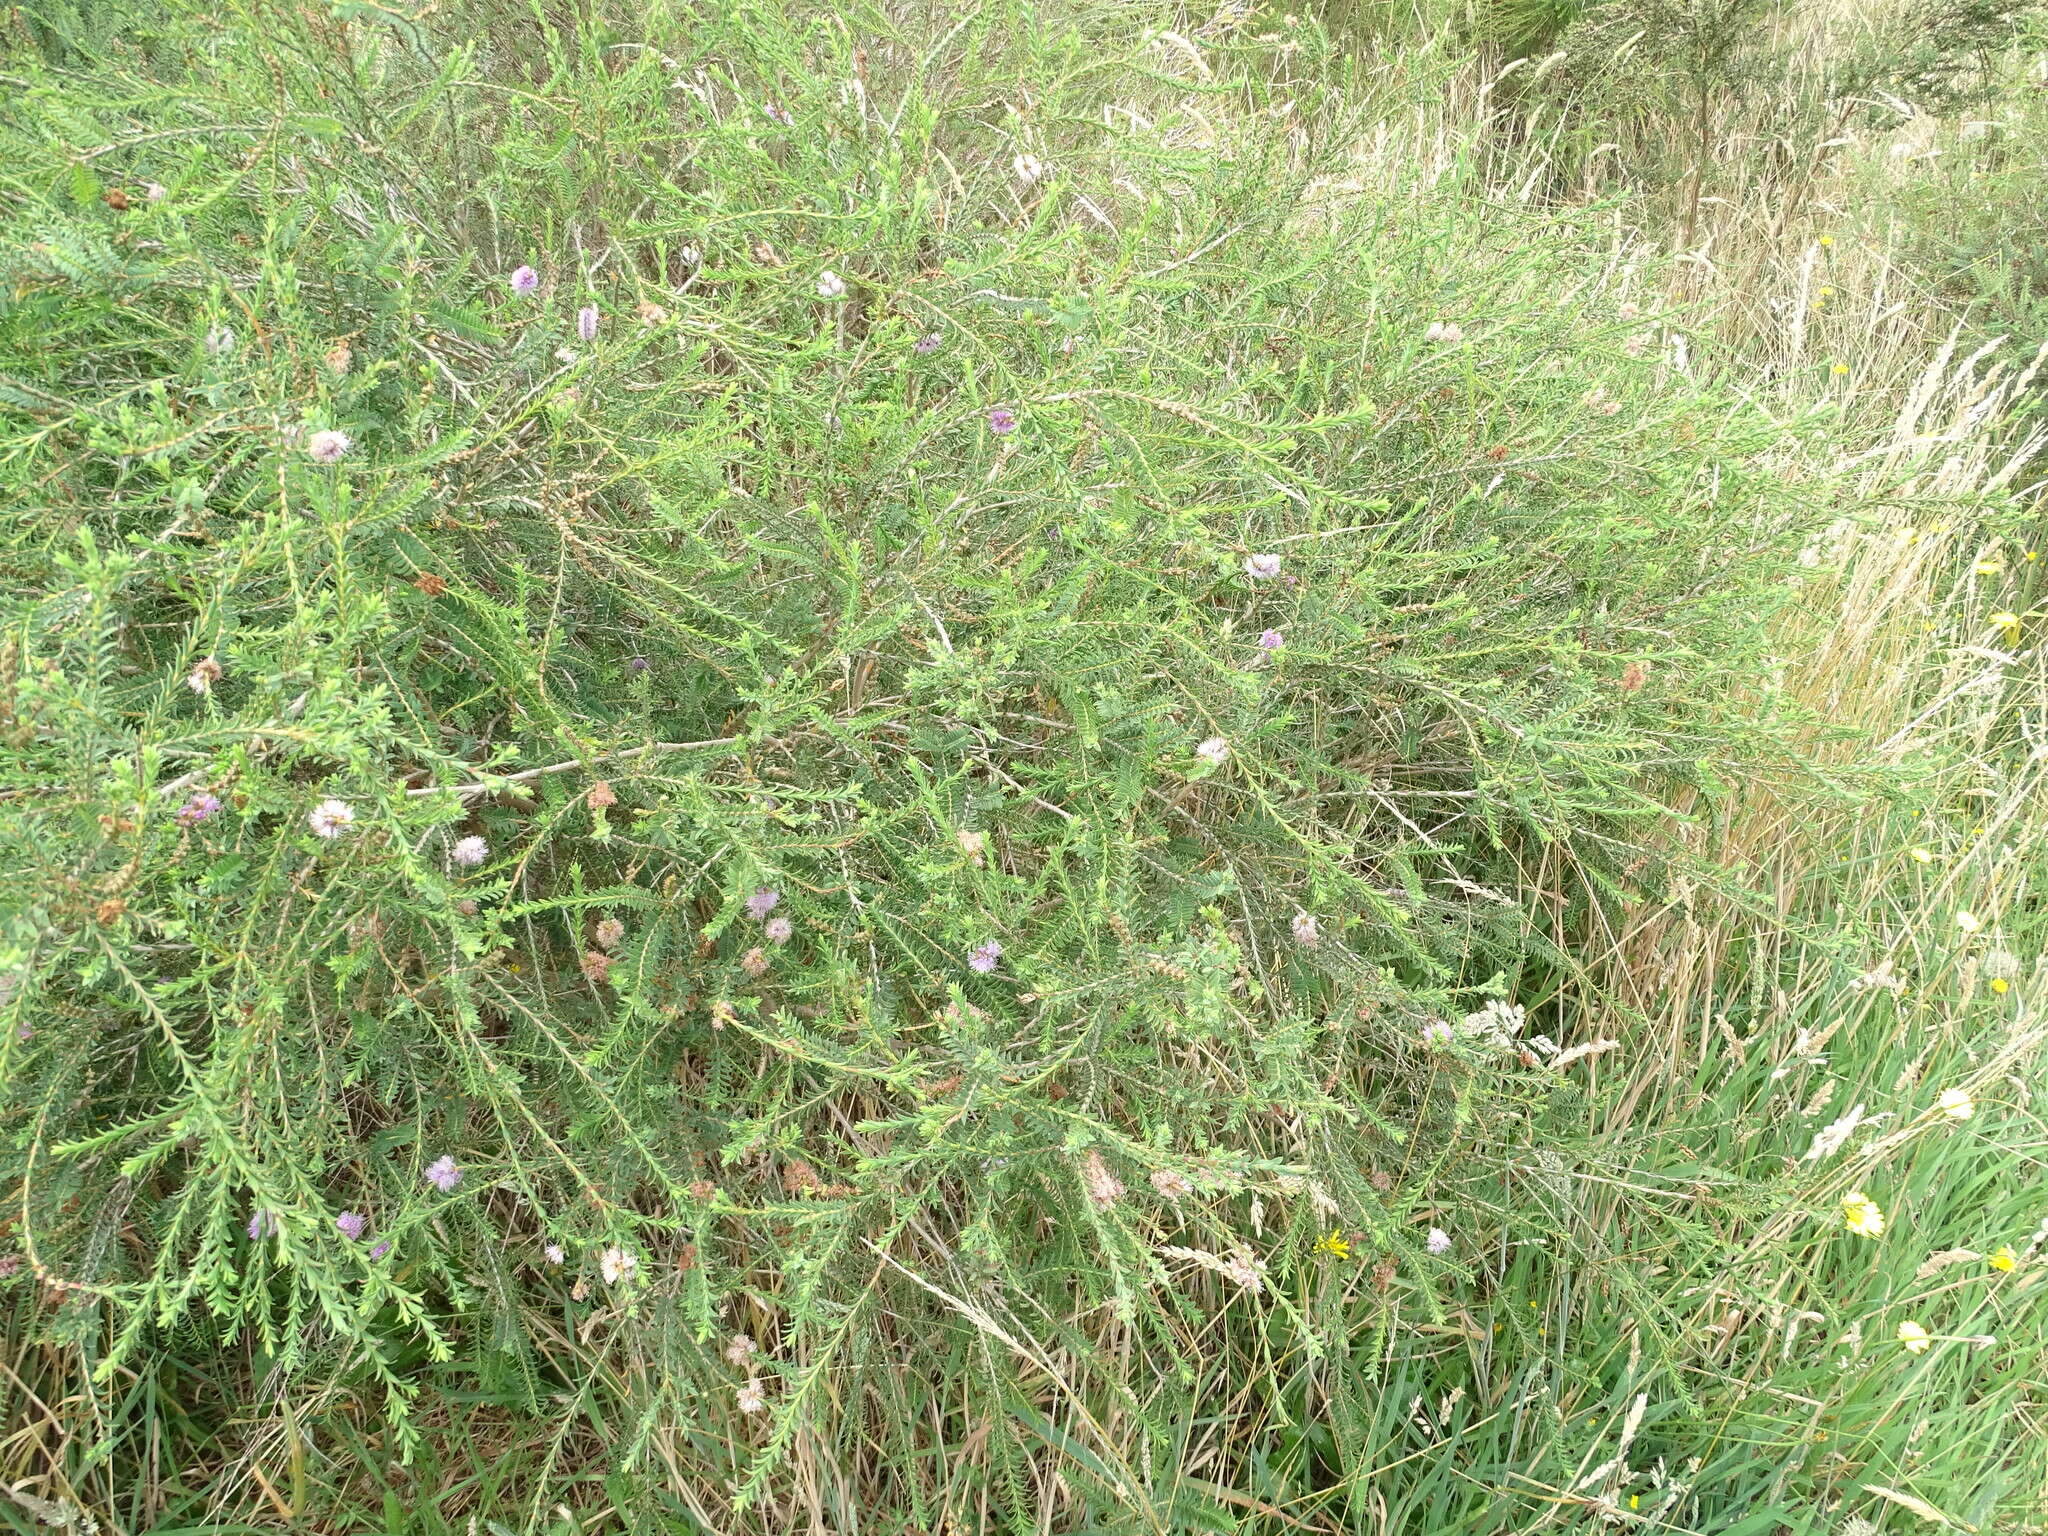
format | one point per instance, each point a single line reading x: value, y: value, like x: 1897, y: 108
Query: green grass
x: 1628, y: 652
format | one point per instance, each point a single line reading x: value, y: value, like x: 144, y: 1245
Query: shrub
x: 1170, y: 643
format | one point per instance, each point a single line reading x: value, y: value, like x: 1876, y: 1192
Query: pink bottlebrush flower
x: 1002, y: 421
x: 1272, y: 640
x: 328, y: 447
x: 380, y: 1250
x: 444, y: 1175
x: 1262, y: 567
x: 525, y: 280
x: 352, y: 1225
x: 608, y: 933
x: 1439, y: 1241
x: 778, y: 930
x: 1306, y: 932
x: 985, y: 957
x: 755, y: 962
x: 762, y: 902
x: 1215, y: 751
x: 469, y: 852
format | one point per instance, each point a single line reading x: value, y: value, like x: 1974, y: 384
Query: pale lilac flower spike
x: 1439, y: 1240
x: 261, y: 1225
x: 470, y: 852
x: 762, y: 902
x: 983, y: 957
x: 328, y: 447
x: 586, y: 322
x: 1263, y: 567
x: 1002, y: 421
x: 444, y: 1175
x: 1272, y: 640
x: 525, y: 280
x: 925, y: 345
x: 352, y: 1224
x: 381, y: 1249
x: 778, y: 930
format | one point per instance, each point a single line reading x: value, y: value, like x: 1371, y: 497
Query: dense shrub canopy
x: 711, y: 679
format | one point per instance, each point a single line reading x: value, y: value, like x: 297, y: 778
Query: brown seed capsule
x: 430, y: 584
x: 115, y: 199
x: 600, y: 795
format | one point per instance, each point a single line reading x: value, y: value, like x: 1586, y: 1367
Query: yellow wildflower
x: 1839, y: 369
x: 2000, y: 985
x: 1955, y: 1103
x: 2010, y: 623
x: 2002, y: 1258
x: 1861, y: 1214
x: 1987, y: 568
x: 1826, y: 240
x: 1915, y: 1338
x: 1334, y: 1245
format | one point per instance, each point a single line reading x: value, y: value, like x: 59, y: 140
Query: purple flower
x: 1439, y: 1241
x: 762, y: 902
x: 444, y: 1175
x: 778, y: 930
x: 380, y: 1250
x: 470, y: 852
x: 1307, y: 932
x: 586, y: 322
x: 1437, y: 1034
x: 525, y: 280
x: 1002, y: 421
x: 197, y: 809
x: 1215, y: 751
x: 925, y: 345
x: 776, y: 114
x: 352, y: 1224
x: 637, y: 663
x: 263, y: 1224
x: 983, y: 957
x: 1262, y: 567
x: 1272, y: 640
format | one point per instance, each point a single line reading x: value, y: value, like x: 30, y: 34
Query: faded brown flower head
x: 430, y: 584
x: 741, y: 1349
x: 1170, y: 1184
x: 723, y: 1014
x: 755, y: 961
x: 597, y: 965
x: 600, y: 794
x: 1104, y: 1188
x: 703, y: 1189
x: 338, y: 358
x: 608, y: 933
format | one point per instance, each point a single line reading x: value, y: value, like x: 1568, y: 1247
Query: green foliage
x: 749, y: 592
